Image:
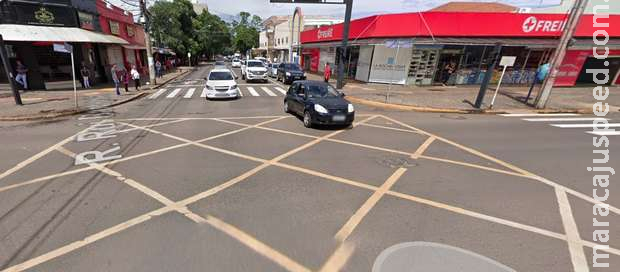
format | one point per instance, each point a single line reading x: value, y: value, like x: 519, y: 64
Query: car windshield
x: 292, y: 66
x: 255, y: 64
x: 276, y: 65
x: 219, y: 63
x: 220, y: 76
x: 322, y: 90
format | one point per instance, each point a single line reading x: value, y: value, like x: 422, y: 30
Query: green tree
x: 172, y: 25
x: 212, y: 35
x: 246, y: 32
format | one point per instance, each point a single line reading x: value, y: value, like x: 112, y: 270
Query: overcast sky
x: 360, y: 7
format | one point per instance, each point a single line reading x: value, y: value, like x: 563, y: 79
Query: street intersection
x: 198, y: 185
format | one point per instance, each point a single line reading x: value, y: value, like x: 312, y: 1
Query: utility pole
x: 558, y: 56
x: 147, y: 40
x: 345, y: 41
x: 9, y: 73
x: 497, y: 52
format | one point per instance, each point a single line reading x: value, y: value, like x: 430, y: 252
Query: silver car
x: 273, y: 70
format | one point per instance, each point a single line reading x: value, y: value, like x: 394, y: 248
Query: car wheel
x: 307, y: 119
x: 286, y: 109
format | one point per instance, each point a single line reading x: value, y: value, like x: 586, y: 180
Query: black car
x: 319, y: 103
x: 289, y: 72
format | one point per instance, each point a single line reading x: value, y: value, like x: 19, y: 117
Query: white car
x: 221, y: 83
x: 254, y: 70
x: 273, y: 69
x: 236, y: 63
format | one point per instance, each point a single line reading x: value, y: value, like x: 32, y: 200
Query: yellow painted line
x: 153, y: 125
x: 423, y: 147
x: 352, y: 223
x: 508, y: 165
x: 339, y: 259
x: 41, y: 179
x: 575, y: 247
x: 391, y: 128
x: 326, y: 176
x: 256, y: 245
x: 491, y: 169
x: 38, y: 155
x: 86, y: 241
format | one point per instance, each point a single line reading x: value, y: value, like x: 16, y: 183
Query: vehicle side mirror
x: 205, y: 79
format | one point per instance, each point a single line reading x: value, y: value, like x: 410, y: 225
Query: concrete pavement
x: 238, y: 185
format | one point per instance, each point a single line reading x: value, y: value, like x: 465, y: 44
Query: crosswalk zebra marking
x: 586, y: 125
x: 605, y: 133
x: 281, y: 90
x: 204, y: 93
x: 157, y: 94
x: 538, y: 114
x: 269, y: 92
x: 173, y: 93
x: 562, y: 119
x: 252, y: 91
x: 189, y: 93
x: 240, y: 93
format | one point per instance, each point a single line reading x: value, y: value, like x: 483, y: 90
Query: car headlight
x: 350, y: 108
x: 233, y: 87
x: 320, y: 109
x: 288, y: 74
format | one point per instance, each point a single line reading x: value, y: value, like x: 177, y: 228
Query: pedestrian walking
x: 327, y: 73
x: 135, y: 75
x: 115, y: 77
x: 85, y: 76
x: 158, y: 71
x: 125, y: 79
x: 22, y: 77
x: 448, y: 70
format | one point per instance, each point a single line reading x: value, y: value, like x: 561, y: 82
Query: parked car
x: 254, y: 70
x: 289, y: 72
x: 273, y: 69
x: 236, y: 63
x: 318, y: 103
x: 221, y: 83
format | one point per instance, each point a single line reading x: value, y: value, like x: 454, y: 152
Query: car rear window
x: 255, y: 64
x: 220, y: 76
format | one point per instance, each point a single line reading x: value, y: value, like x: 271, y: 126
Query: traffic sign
x: 507, y: 61
x: 63, y: 48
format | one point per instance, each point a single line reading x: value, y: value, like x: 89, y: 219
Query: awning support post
x: 9, y: 73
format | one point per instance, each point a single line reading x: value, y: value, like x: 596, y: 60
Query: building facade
x: 30, y: 28
x: 416, y: 48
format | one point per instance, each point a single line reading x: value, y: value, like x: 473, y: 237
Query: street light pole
x: 147, y: 41
x: 571, y: 26
x: 345, y: 41
x: 9, y: 73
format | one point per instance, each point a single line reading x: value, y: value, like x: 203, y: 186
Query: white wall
x: 282, y: 32
x: 262, y: 40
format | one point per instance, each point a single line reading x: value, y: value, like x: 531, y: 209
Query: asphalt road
x: 186, y: 184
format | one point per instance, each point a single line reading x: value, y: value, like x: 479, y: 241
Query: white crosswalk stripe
x: 173, y: 93
x: 281, y: 90
x: 269, y: 92
x: 189, y: 93
x: 252, y: 91
x: 569, y: 121
x: 605, y: 133
x: 157, y: 94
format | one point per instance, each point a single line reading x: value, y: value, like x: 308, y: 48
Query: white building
x: 275, y: 40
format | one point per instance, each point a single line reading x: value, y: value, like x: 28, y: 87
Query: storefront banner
x: 388, y: 67
x: 458, y: 24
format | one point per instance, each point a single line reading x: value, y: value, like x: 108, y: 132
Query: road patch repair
x: 390, y: 180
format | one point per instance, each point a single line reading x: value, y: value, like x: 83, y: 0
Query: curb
x: 70, y: 112
x: 448, y: 110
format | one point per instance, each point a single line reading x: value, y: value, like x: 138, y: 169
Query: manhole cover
x: 397, y: 162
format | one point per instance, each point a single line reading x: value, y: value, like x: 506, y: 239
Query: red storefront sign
x: 458, y: 24
x: 573, y: 64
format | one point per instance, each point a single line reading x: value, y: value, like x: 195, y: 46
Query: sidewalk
x: 462, y: 98
x: 57, y: 103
